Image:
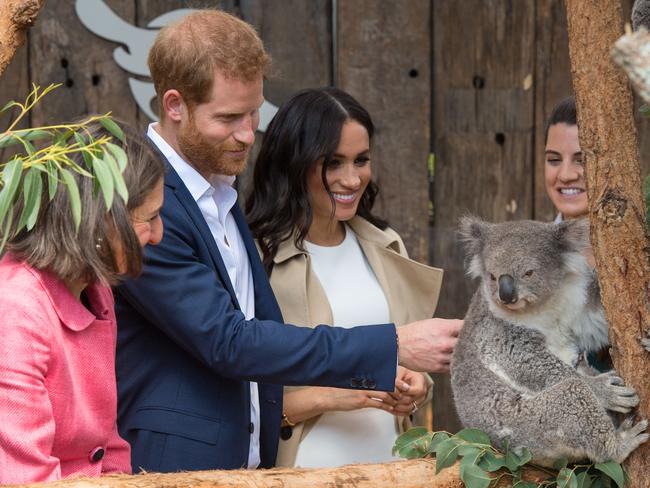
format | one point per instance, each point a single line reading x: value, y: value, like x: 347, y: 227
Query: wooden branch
x: 616, y: 208
x: 420, y: 473
x: 16, y: 16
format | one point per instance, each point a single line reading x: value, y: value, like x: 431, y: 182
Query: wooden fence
x: 469, y: 81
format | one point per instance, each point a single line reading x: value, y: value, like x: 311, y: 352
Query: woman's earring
x: 98, y: 243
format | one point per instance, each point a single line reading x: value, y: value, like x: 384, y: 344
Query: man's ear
x: 472, y: 233
x: 173, y: 105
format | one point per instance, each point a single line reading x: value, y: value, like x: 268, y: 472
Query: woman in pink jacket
x: 57, y: 325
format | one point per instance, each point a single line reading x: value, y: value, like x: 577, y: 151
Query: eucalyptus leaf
x: 105, y: 181
x: 29, y: 147
x: 513, y: 462
x: 566, y: 478
x: 119, y: 154
x: 525, y: 484
x: 584, y: 480
x: 438, y: 437
x: 614, y: 471
x: 73, y: 192
x: 470, y: 458
x: 406, y: 442
x: 118, y: 179
x: 446, y: 454
x: 474, y: 435
x: 32, y: 193
x: 110, y: 125
x: 492, y: 462
x: 525, y: 456
x: 52, y: 179
x: 11, y: 176
x: 9, y: 105
x: 475, y: 477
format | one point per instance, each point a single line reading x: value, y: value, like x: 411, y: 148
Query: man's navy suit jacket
x: 186, y: 354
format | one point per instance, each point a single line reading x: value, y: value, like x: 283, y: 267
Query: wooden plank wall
x: 471, y: 81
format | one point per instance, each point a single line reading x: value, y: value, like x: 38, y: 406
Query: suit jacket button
x: 355, y: 383
x: 96, y: 454
x: 365, y: 383
x: 286, y: 432
x: 251, y: 427
x: 372, y: 384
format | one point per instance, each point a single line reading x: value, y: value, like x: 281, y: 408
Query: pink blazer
x: 57, y: 379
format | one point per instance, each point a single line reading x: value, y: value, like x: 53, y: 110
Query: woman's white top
x: 355, y: 298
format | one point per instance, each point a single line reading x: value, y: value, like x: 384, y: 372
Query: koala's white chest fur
x: 570, y: 322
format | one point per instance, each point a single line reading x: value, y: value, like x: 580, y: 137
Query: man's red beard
x: 209, y: 158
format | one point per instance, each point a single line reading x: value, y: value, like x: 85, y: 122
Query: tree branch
x: 616, y: 208
x: 16, y: 16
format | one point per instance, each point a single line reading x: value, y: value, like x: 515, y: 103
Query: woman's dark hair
x: 86, y: 253
x: 563, y: 113
x: 306, y: 130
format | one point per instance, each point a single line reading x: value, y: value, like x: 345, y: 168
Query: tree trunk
x: 420, y: 473
x: 16, y: 16
x: 616, y: 208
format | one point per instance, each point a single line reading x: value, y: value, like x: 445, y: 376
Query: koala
x: 516, y: 370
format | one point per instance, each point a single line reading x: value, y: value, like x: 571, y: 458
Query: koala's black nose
x: 507, y: 290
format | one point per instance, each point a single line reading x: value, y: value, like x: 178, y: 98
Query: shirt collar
x: 220, y: 187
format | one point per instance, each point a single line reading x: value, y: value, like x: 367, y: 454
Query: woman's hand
x: 343, y: 400
x: 411, y: 389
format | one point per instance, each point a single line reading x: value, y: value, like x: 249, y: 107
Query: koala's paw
x: 645, y: 342
x: 612, y: 393
x: 630, y: 436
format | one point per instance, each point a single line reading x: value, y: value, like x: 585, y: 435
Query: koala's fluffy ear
x: 572, y: 235
x: 641, y: 14
x: 472, y: 233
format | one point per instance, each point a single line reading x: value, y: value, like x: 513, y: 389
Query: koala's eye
x: 492, y: 277
x: 529, y: 273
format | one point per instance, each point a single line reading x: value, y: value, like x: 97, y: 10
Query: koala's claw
x: 613, y: 395
x: 630, y: 437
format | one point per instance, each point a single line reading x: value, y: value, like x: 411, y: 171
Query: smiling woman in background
x: 564, y: 172
x: 331, y: 261
x: 57, y: 352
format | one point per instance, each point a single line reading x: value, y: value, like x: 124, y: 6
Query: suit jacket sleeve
x: 180, y: 293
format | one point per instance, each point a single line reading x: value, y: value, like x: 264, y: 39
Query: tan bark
x: 616, y: 208
x: 420, y: 473
x: 16, y: 16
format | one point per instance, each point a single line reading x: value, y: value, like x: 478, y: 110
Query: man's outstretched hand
x: 427, y: 345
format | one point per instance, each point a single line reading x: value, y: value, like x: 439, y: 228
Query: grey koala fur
x: 515, y: 371
x: 641, y: 14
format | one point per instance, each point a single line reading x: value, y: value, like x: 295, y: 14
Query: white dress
x: 355, y: 298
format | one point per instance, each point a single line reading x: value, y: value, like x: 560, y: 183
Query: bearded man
x: 202, y: 350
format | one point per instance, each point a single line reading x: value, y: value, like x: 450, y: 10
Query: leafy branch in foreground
x: 44, y: 157
x: 482, y: 465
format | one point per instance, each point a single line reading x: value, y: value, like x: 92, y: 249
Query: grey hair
x: 86, y: 254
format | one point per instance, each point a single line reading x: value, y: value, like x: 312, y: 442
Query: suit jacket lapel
x: 173, y: 181
x: 264, y: 298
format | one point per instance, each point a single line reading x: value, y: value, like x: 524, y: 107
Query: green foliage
x: 482, y: 465
x: 48, y: 151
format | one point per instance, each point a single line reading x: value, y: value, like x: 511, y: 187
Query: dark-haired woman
x: 564, y: 172
x: 57, y: 352
x: 332, y: 262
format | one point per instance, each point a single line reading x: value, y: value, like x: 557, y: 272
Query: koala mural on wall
x: 517, y: 371
x: 135, y: 42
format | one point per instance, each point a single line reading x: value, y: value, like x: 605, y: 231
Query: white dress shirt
x: 216, y: 199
